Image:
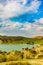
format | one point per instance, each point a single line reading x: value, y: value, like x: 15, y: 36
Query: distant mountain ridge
x: 36, y: 37
x: 19, y: 36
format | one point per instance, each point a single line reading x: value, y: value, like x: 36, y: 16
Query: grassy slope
x: 13, y: 40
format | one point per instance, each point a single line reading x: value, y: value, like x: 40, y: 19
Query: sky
x: 21, y: 18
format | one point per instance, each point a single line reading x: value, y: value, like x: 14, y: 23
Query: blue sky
x: 21, y: 18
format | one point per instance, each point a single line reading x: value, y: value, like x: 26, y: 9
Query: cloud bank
x: 14, y: 8
x: 22, y: 29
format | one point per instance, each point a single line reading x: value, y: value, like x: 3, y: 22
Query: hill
x: 19, y: 39
x: 38, y: 37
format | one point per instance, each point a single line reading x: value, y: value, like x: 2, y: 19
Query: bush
x: 2, y: 58
x: 19, y: 63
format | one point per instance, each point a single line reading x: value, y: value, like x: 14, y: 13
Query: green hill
x: 19, y: 39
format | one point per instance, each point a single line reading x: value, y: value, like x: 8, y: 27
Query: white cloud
x: 21, y: 29
x: 26, y: 26
x: 40, y: 21
x: 15, y: 8
x: 39, y: 29
x: 24, y: 1
x: 9, y: 25
x: 39, y: 25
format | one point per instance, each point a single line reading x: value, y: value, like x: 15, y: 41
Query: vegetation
x: 24, y: 54
x: 21, y: 40
x: 19, y: 63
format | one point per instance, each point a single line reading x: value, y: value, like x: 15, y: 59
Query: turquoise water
x: 13, y: 47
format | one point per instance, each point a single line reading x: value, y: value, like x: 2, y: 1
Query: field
x: 24, y: 62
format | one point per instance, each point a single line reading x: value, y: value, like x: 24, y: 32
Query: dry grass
x: 31, y: 61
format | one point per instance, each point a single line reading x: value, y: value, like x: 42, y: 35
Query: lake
x: 13, y: 47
